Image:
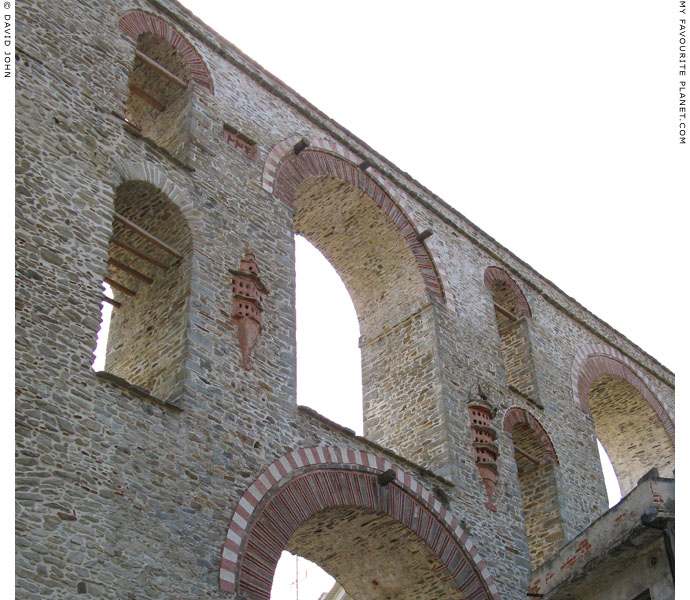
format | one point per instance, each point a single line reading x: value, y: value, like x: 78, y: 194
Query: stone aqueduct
x: 153, y: 155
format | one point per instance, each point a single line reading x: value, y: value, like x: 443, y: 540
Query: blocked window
x: 540, y: 507
x: 160, y: 96
x: 512, y: 319
x: 148, y: 272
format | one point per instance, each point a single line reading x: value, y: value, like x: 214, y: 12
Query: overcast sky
x: 552, y: 126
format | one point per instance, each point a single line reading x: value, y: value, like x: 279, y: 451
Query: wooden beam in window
x: 528, y: 456
x: 118, y: 286
x: 112, y: 301
x: 129, y: 270
x: 161, y: 69
x: 139, y: 253
x: 505, y: 311
x: 146, y: 98
x: 145, y: 234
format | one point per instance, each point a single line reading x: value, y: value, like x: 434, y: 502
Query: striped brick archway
x: 136, y: 22
x: 593, y: 360
x: 311, y: 480
x: 284, y: 171
x: 493, y: 275
x: 516, y: 415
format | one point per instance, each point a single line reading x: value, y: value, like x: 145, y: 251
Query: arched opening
x: 390, y: 277
x: 634, y: 427
x: 629, y: 430
x: 328, y: 355
x: 512, y: 314
x: 148, y: 271
x: 381, y: 276
x: 160, y: 96
x: 380, y: 538
x: 536, y: 461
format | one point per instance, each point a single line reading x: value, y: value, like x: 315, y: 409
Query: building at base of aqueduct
x: 155, y: 157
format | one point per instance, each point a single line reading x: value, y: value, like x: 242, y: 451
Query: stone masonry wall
x: 122, y: 495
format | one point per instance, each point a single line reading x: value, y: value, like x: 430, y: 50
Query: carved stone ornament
x: 247, y: 294
x: 484, y: 443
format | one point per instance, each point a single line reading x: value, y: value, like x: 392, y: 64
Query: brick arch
x: 310, y: 480
x: 492, y: 275
x: 136, y: 22
x: 284, y: 172
x: 516, y: 415
x: 594, y: 360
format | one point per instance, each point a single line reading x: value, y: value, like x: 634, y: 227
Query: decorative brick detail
x: 492, y: 275
x: 241, y: 142
x: 515, y: 415
x: 284, y: 172
x: 311, y: 480
x: 136, y: 22
x: 594, y: 360
x: 485, y: 448
x: 247, y: 293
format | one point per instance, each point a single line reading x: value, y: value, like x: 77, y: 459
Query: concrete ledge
x: 613, y: 541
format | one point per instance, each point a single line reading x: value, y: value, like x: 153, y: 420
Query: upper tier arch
x: 594, y: 360
x: 136, y: 22
x: 284, y: 171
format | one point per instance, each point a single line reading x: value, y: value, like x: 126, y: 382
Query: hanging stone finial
x: 247, y: 293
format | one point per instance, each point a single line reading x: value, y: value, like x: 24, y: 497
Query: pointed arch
x: 284, y: 171
x: 136, y: 22
x: 311, y: 480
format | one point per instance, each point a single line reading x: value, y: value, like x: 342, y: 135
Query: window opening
x: 159, y: 100
x: 147, y: 275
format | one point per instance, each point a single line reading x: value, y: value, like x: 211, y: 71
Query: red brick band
x: 594, y: 360
x: 136, y: 22
x: 493, y: 275
x: 284, y: 172
x: 516, y: 415
x: 310, y: 480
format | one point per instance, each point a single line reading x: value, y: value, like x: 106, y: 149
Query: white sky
x: 552, y: 126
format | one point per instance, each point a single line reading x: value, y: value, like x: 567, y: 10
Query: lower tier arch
x: 308, y: 482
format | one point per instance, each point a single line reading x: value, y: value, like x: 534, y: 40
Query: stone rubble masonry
x: 126, y: 484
